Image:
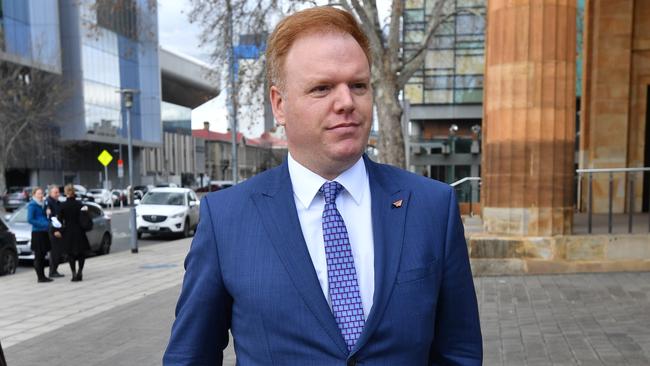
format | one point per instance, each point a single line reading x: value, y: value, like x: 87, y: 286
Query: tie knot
x: 330, y: 190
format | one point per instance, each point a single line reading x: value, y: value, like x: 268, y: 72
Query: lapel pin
x: 397, y: 204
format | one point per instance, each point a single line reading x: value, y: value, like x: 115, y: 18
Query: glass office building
x: 453, y: 68
x: 111, y: 45
x: 29, y: 33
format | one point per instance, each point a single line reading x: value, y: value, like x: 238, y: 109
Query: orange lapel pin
x: 397, y: 204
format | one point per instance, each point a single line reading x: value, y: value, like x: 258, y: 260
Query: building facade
x: 615, y: 115
x: 255, y: 155
x: 445, y: 96
x: 181, y: 158
x: 29, y: 34
x: 98, y: 48
x: 109, y: 45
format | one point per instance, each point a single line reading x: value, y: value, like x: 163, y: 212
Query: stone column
x: 529, y: 117
x: 616, y: 76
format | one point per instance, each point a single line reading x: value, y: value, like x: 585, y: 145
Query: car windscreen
x: 163, y: 198
x: 95, y: 191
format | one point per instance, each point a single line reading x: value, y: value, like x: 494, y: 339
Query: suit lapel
x: 388, y: 222
x: 277, y: 209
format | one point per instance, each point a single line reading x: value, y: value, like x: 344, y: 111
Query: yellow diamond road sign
x: 105, y: 158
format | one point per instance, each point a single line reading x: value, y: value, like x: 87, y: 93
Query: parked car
x: 167, y: 211
x: 99, y: 238
x: 166, y: 185
x: 101, y: 196
x: 8, y: 250
x: 215, y: 185
x: 16, y: 197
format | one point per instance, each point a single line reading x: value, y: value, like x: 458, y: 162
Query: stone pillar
x: 616, y: 77
x: 529, y: 117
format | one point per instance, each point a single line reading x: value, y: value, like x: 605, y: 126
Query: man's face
x: 326, y: 102
x: 54, y: 193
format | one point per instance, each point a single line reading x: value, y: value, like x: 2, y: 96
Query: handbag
x: 85, y: 222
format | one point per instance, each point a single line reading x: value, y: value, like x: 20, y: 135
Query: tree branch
x: 369, y: 22
x: 394, y: 33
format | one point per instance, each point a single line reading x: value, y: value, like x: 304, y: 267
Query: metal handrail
x: 613, y: 170
x: 590, y: 198
x: 466, y: 179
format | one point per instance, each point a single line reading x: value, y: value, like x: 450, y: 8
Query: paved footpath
x: 122, y: 312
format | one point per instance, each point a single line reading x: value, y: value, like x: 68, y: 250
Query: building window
x: 120, y: 16
x: 454, y: 60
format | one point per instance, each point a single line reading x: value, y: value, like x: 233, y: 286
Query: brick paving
x: 122, y: 311
x: 580, y: 319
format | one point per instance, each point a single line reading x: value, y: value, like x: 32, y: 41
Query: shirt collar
x: 307, y: 183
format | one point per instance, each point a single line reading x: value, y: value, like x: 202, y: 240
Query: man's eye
x: 320, y: 89
x: 359, y: 87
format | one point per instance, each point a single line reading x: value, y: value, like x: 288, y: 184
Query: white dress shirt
x: 353, y: 202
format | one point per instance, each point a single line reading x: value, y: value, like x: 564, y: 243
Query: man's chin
x: 348, y: 155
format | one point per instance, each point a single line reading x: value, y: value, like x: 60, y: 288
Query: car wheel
x: 105, y: 246
x: 139, y: 235
x: 186, y: 228
x: 8, y: 262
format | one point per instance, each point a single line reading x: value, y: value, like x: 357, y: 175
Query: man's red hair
x: 322, y: 19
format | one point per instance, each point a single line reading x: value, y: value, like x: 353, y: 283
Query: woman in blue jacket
x: 40, y: 224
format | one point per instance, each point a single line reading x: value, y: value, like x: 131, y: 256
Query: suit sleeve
x: 200, y: 332
x: 458, y: 338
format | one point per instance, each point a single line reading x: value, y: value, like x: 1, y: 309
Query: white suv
x: 167, y: 211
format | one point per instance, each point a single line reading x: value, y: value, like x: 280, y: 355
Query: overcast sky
x: 176, y: 32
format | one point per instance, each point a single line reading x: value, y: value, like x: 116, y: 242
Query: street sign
x: 105, y: 158
x: 120, y: 168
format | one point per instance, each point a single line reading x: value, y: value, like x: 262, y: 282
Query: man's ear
x: 277, y: 104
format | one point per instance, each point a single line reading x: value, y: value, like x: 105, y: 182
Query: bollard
x: 630, y: 206
x: 611, y: 200
x: 590, y: 202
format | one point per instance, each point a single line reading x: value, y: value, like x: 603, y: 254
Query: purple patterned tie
x: 341, y: 274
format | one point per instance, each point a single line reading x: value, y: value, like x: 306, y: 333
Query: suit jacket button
x: 352, y: 362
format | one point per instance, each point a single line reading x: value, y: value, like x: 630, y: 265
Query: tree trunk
x: 389, y: 115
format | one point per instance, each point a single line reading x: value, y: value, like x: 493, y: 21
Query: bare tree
x: 29, y: 100
x: 227, y: 24
x: 391, y: 69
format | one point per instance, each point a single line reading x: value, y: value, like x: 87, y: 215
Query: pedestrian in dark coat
x: 75, y: 242
x: 52, y: 208
x: 40, y: 225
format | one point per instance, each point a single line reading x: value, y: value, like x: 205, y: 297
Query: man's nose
x: 344, y: 101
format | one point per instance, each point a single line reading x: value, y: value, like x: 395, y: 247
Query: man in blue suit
x: 329, y: 259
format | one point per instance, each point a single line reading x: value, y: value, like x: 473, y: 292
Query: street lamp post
x: 232, y: 92
x: 128, y: 104
x: 453, y: 129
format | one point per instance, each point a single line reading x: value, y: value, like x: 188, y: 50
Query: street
x: 121, y: 235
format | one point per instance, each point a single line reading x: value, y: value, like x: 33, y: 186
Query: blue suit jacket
x: 249, y: 271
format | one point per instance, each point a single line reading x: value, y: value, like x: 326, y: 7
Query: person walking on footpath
x: 75, y: 242
x: 52, y: 208
x: 330, y: 258
x: 40, y: 226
